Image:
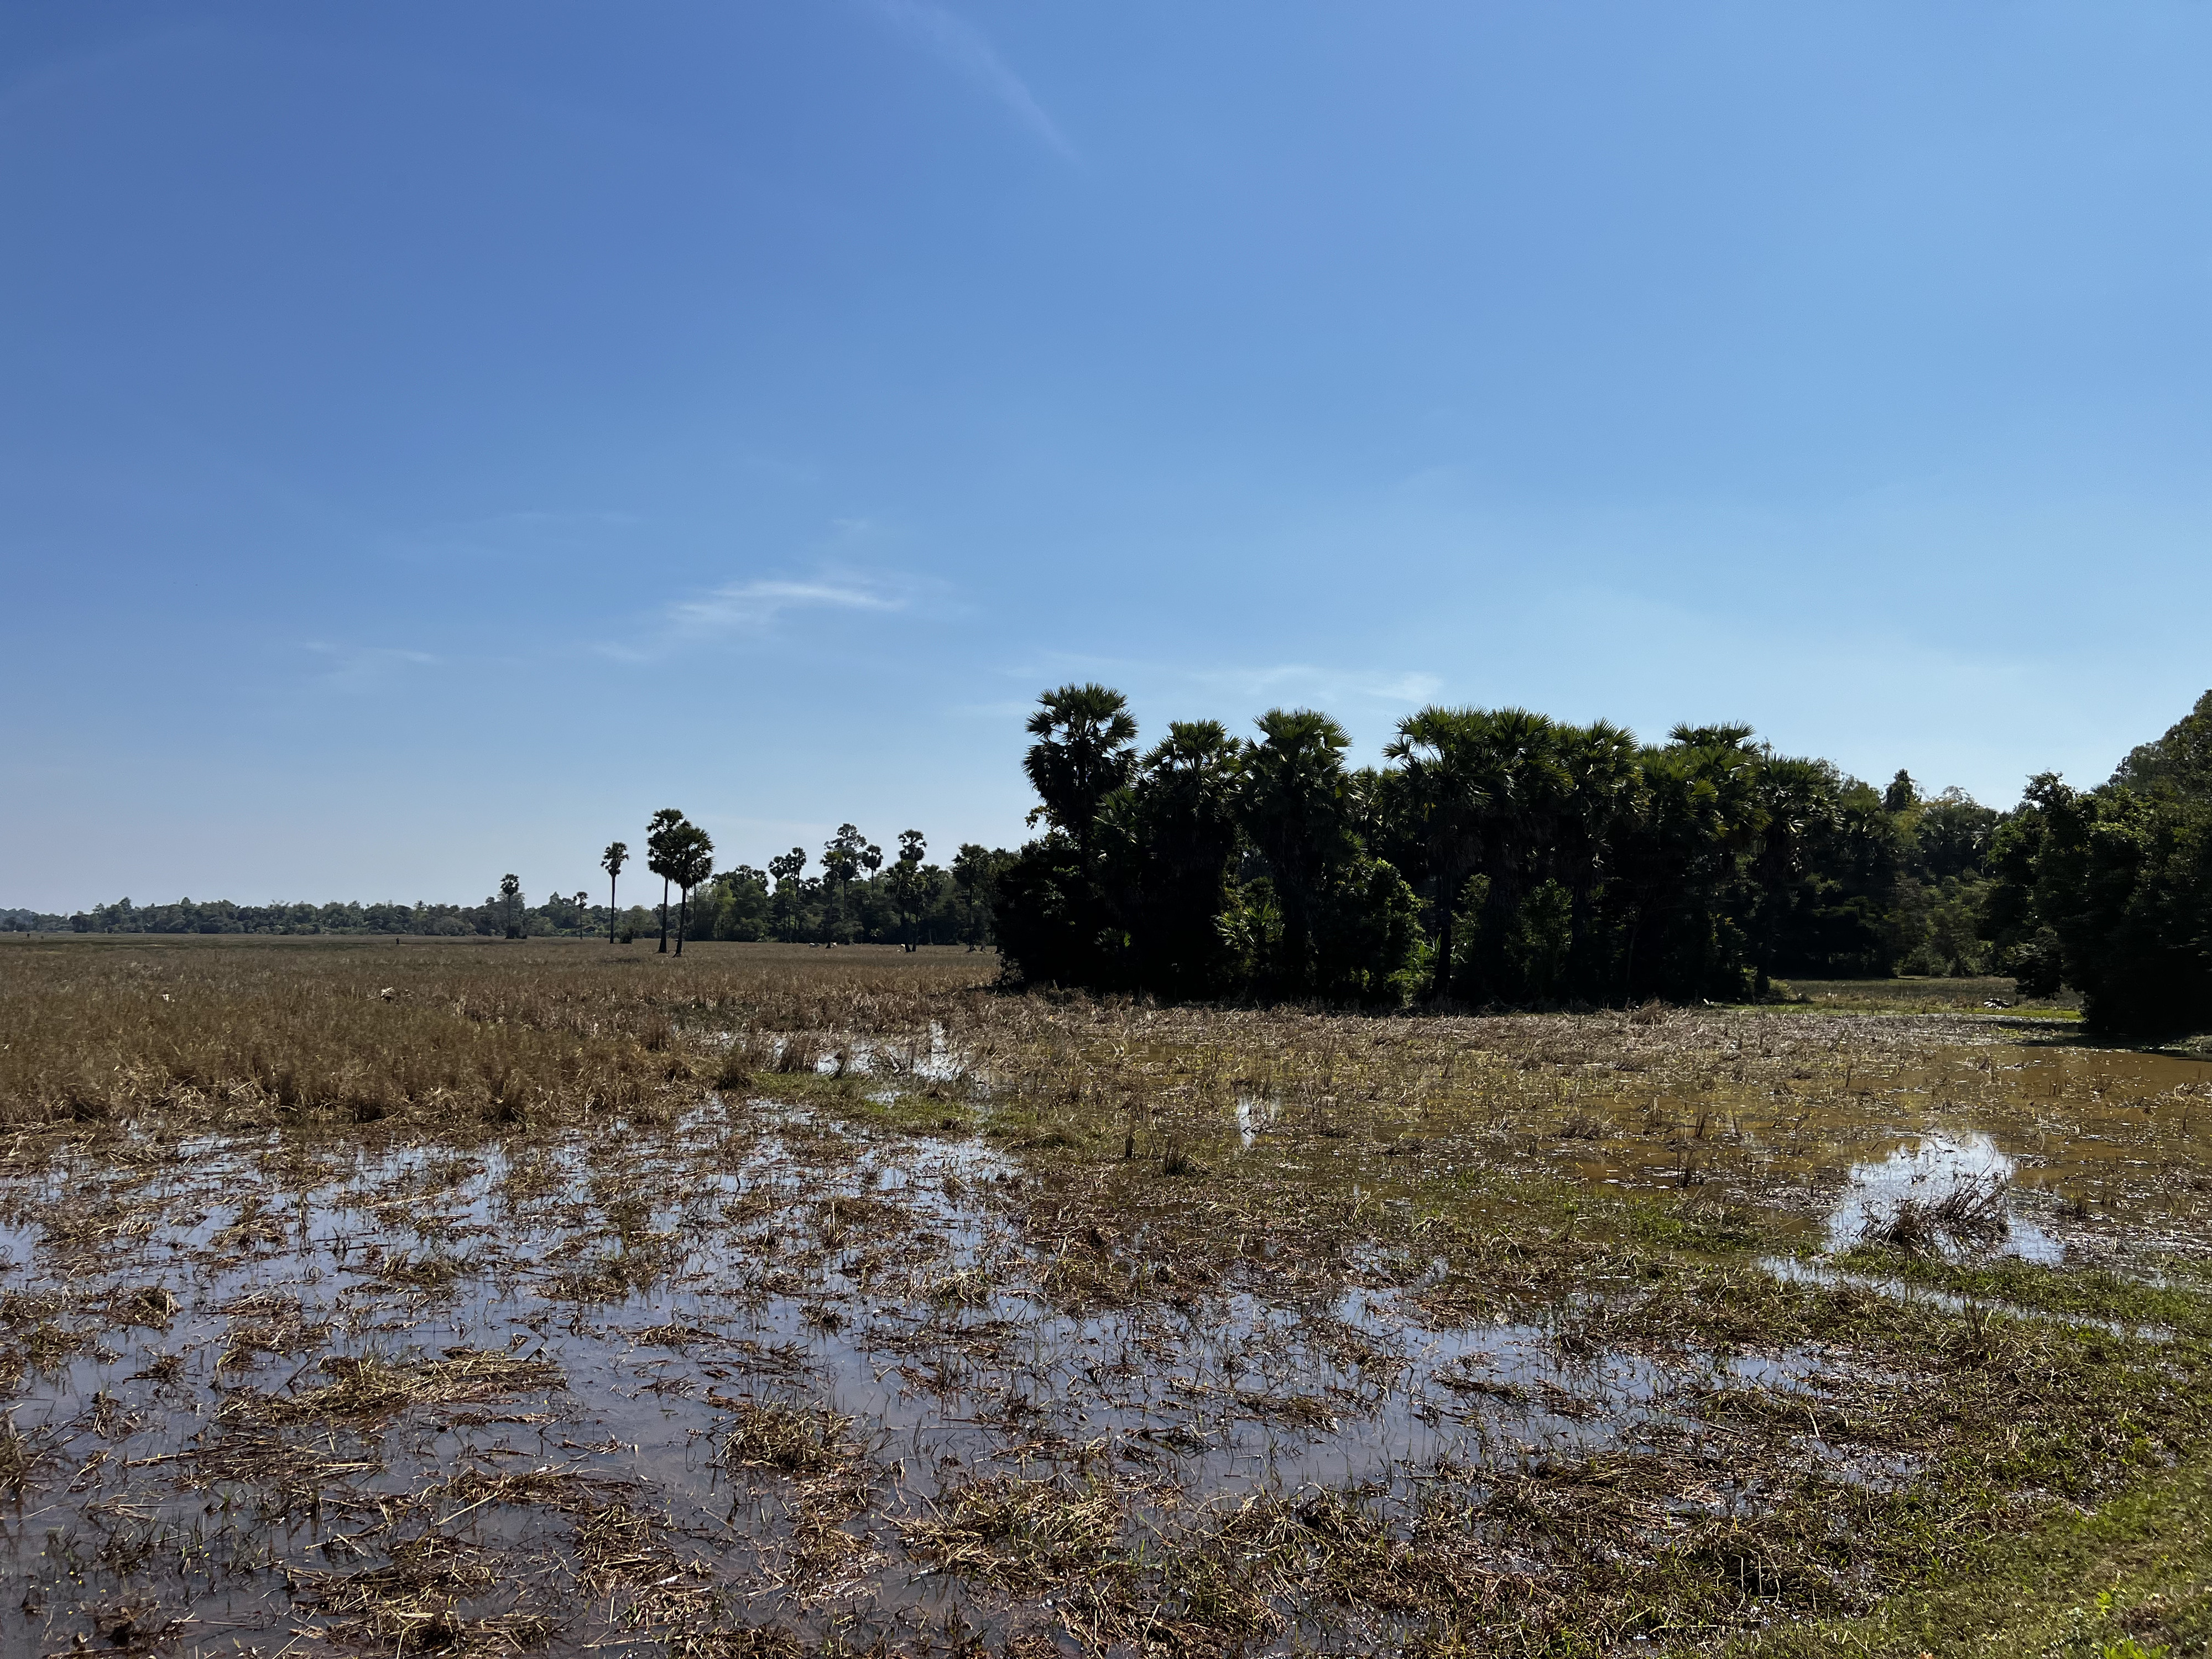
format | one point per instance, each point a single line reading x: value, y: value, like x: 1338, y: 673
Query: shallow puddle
x: 1943, y: 1176
x: 274, y: 1389
x: 769, y: 1366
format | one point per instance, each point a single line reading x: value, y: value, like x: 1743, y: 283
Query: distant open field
x: 1926, y: 996
x: 428, y: 1297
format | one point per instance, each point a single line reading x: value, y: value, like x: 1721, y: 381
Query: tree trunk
x: 1447, y: 902
x: 683, y: 915
x: 664, y: 918
x: 611, y: 909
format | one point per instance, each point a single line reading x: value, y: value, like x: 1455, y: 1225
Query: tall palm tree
x: 660, y: 838
x: 1291, y: 797
x: 911, y: 883
x: 1178, y: 845
x: 690, y: 862
x: 1441, y: 752
x: 1605, y: 789
x: 784, y: 870
x: 844, y: 855
x: 1085, y: 749
x: 612, y: 862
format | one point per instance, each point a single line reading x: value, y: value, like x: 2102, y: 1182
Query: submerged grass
x: 781, y: 1300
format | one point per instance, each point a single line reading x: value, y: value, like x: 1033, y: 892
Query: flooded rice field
x: 910, y: 1318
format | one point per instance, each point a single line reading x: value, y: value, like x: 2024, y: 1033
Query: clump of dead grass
x: 1971, y: 1213
x: 370, y: 1386
x: 805, y: 1440
x: 1018, y: 1534
x: 409, y: 1604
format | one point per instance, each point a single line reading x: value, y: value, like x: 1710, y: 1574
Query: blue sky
x: 431, y: 437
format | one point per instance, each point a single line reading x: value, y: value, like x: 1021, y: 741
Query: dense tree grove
x: 1499, y: 856
x: 2110, y: 889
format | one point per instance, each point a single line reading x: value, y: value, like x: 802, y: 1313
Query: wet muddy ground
x: 921, y: 1320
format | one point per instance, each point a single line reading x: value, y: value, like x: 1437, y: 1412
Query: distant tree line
x: 502, y: 914
x: 1502, y: 856
x: 855, y: 896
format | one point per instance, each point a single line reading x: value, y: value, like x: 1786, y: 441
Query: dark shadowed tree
x: 1168, y: 845
x: 1291, y: 802
x: 612, y: 862
x: 790, y: 892
x: 843, y: 857
x: 690, y: 862
x: 976, y: 870
x: 510, y: 905
x: 660, y: 857
x: 1447, y: 801
x: 1050, y: 912
x: 1604, y: 788
x: 911, y: 883
x: 1085, y: 750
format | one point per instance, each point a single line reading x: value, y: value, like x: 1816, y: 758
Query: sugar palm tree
x: 1291, y: 802
x: 844, y: 855
x: 910, y: 882
x: 1085, y: 749
x: 690, y: 863
x: 612, y: 862
x: 1440, y: 751
x: 785, y: 870
x: 659, y: 853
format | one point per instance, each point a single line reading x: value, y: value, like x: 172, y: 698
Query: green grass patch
x: 2131, y: 1581
x: 2088, y: 1293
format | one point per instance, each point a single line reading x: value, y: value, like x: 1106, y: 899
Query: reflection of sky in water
x: 1928, y: 1172
x: 1254, y: 1118
x: 927, y: 1318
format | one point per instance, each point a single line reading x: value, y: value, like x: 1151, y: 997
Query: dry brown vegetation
x: 483, y: 1298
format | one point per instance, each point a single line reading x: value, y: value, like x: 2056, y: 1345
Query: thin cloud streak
x: 961, y: 45
x: 753, y: 608
x: 747, y: 606
x: 363, y: 669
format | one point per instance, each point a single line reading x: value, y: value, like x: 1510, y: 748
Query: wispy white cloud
x: 754, y: 608
x: 743, y: 607
x: 961, y: 45
x: 363, y: 669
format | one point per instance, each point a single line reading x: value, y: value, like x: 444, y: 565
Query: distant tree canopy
x: 1501, y: 856
x: 927, y: 906
x: 911, y: 903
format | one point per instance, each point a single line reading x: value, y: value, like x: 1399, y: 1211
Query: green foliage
x: 1168, y: 844
x: 2121, y: 881
x: 1515, y: 858
x: 662, y: 835
x: 911, y: 883
x: 1085, y: 750
x: 2110, y: 889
